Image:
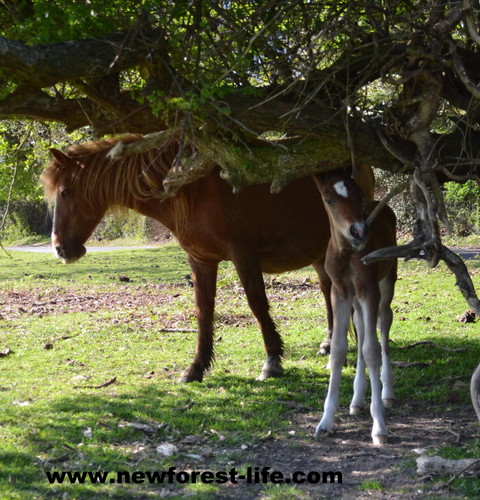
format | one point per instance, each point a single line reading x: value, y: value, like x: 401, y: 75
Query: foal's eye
x: 329, y: 202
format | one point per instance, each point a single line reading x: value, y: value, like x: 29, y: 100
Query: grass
x: 371, y: 484
x: 54, y: 417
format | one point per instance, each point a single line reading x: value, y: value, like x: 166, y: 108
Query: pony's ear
x: 59, y: 156
x: 62, y: 158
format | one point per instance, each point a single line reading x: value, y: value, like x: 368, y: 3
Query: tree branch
x: 46, y: 65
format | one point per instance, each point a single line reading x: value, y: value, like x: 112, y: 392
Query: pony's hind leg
x: 251, y: 276
x: 385, y: 319
x: 372, y: 354
x: 204, y: 276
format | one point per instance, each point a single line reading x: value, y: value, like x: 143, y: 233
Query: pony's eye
x: 64, y: 193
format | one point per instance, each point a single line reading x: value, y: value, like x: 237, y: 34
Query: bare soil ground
x: 412, y: 427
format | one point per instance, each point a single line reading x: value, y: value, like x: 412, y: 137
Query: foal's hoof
x: 321, y: 433
x: 356, y: 410
x: 191, y: 374
x: 388, y: 403
x: 272, y: 368
x: 380, y: 440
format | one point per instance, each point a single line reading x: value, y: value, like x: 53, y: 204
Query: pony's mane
x: 103, y: 181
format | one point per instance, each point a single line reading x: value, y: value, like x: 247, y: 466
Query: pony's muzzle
x: 68, y: 253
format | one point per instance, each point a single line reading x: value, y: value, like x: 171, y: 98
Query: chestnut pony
x: 368, y: 288
x: 256, y: 230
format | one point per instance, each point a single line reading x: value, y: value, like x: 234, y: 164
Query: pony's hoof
x: 272, y: 368
x: 191, y: 375
x: 356, y: 410
x: 270, y: 374
x: 380, y: 440
x: 388, y: 403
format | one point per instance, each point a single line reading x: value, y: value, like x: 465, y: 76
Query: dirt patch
x: 367, y: 471
x: 387, y: 472
x: 59, y: 301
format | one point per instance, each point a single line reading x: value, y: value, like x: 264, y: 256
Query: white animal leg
x: 360, y: 383
x: 385, y: 322
x: 338, y: 353
x: 372, y: 355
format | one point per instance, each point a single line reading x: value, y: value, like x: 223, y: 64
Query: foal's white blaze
x: 341, y: 189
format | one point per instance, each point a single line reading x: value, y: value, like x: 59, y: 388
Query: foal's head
x: 75, y: 217
x: 343, y: 200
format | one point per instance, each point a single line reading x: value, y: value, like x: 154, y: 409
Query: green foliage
x: 128, y: 225
x: 401, y: 204
x: 463, y: 205
x: 469, y: 192
x: 48, y: 21
x: 16, y: 227
x: 24, y: 153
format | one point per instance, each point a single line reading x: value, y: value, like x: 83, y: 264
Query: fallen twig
x: 420, y: 342
x: 64, y: 337
x: 433, y: 344
x: 174, y: 330
x: 108, y: 382
x: 405, y: 364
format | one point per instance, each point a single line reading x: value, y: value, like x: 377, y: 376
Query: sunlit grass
x: 54, y: 415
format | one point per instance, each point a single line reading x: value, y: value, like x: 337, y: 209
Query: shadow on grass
x: 96, y: 431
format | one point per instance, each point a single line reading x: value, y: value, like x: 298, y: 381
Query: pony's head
x: 75, y: 216
x: 343, y: 200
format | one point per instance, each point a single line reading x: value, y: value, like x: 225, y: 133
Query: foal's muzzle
x: 359, y: 235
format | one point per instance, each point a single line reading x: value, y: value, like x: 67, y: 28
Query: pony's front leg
x: 360, y: 382
x: 338, y: 353
x: 372, y: 354
x: 204, y: 275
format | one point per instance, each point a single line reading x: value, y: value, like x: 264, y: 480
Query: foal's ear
x: 348, y: 170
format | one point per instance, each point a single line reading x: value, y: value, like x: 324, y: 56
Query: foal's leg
x: 384, y: 323
x: 360, y: 383
x: 338, y: 353
x: 204, y: 276
x: 372, y: 354
x: 250, y: 273
x: 326, y: 287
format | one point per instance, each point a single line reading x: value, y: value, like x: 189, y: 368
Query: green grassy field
x: 71, y: 329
